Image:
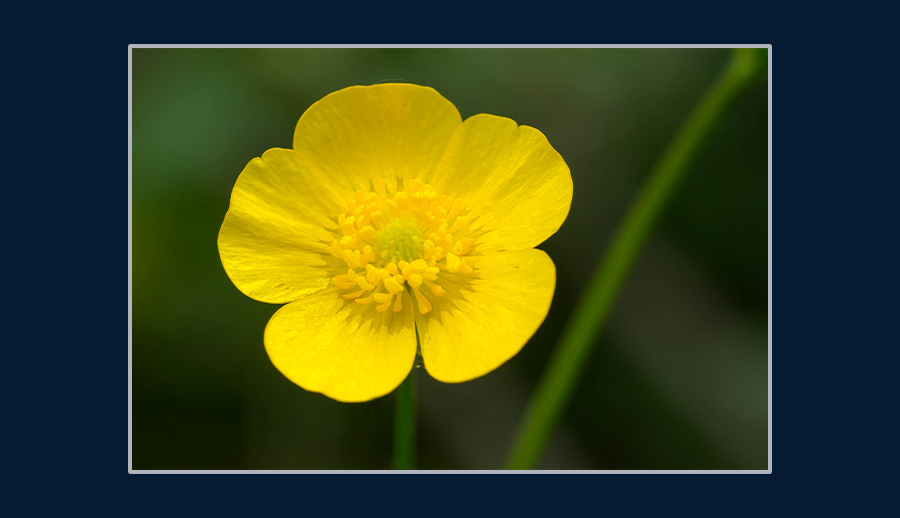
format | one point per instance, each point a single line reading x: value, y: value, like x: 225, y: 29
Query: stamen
x: 396, y: 241
x: 424, y: 305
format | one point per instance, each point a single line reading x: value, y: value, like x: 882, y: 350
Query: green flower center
x: 400, y: 240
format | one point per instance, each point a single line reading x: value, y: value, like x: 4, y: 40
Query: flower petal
x: 364, y: 133
x: 347, y: 352
x: 275, y: 237
x: 480, y: 324
x: 517, y: 187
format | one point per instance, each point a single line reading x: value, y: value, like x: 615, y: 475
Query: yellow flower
x: 392, y: 218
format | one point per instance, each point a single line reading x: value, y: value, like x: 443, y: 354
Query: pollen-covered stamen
x: 405, y: 240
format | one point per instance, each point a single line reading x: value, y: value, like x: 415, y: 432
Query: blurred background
x: 678, y: 380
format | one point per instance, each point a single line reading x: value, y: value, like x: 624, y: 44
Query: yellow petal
x: 345, y: 351
x: 474, y: 328
x: 363, y: 133
x: 273, y: 242
x: 517, y: 187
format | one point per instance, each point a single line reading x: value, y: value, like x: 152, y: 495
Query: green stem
x: 405, y: 424
x: 586, y: 323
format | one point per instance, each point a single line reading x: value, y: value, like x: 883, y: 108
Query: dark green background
x: 677, y: 381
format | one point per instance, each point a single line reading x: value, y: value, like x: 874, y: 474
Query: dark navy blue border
x: 69, y: 102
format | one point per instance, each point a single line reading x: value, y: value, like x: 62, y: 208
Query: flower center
x: 400, y: 240
x: 409, y: 240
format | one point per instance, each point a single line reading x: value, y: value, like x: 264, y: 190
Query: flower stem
x: 405, y: 424
x: 586, y: 323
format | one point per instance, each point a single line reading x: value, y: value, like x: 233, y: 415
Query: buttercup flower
x: 393, y: 222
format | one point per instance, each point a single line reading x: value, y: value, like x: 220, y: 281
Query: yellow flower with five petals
x: 392, y: 222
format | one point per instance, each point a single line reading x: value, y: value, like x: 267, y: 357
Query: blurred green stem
x: 587, y: 320
x: 405, y: 424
